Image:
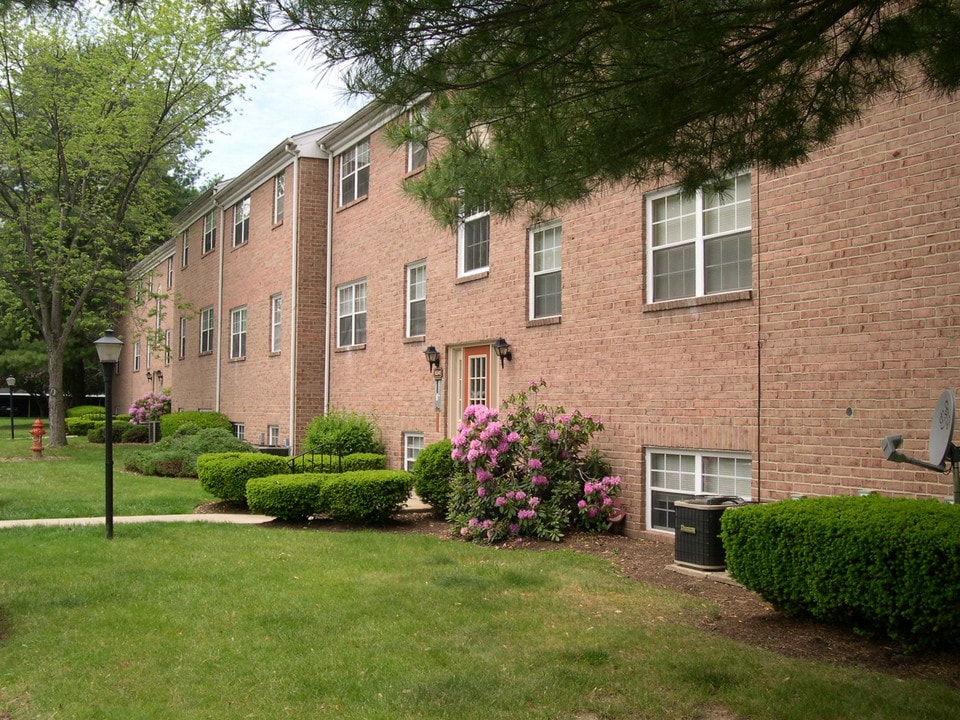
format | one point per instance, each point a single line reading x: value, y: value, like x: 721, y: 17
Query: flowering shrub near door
x: 149, y: 407
x: 520, y: 470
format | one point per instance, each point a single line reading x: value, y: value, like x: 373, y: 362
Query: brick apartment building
x: 758, y: 342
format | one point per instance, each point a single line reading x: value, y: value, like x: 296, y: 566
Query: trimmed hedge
x: 82, y: 425
x: 81, y: 410
x: 344, y: 432
x: 330, y: 464
x: 170, y: 422
x: 433, y: 472
x: 883, y: 566
x: 363, y: 497
x: 225, y: 475
x: 286, y: 497
x: 176, y: 456
x: 123, y: 432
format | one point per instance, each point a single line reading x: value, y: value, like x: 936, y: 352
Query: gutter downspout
x: 294, y: 277
x: 218, y: 324
x: 328, y: 289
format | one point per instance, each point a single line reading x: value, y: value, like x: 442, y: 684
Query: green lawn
x: 189, y: 621
x: 69, y: 482
x: 211, y: 621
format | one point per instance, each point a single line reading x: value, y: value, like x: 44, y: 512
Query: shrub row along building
x: 758, y: 342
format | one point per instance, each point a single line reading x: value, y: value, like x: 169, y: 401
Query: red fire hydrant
x: 37, y: 433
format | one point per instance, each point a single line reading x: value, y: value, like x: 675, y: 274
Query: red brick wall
x: 853, y: 306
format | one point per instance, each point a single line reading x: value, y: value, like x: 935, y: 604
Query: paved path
x: 236, y: 518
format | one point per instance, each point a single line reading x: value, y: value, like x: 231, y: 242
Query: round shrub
x: 176, y: 456
x: 81, y: 410
x: 286, y: 497
x: 225, y: 475
x: 343, y: 433
x: 333, y: 464
x: 365, y: 497
x: 171, y: 421
x: 433, y: 475
x: 123, y: 432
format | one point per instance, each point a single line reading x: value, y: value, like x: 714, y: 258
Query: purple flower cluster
x: 518, y: 468
x: 149, y: 407
x: 599, y: 503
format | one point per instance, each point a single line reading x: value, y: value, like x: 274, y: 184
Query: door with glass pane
x: 476, y: 376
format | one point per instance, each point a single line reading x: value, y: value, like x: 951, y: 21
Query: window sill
x: 480, y: 275
x: 204, y: 353
x: 207, y: 252
x: 539, y: 322
x: 237, y: 359
x: 237, y: 246
x: 726, y: 297
x: 350, y: 204
x: 414, y: 171
x: 415, y: 340
x: 351, y: 348
x: 274, y: 353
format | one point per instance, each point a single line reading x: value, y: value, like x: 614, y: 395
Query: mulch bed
x: 741, y: 615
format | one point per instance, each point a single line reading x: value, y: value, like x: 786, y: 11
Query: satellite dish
x: 941, y: 429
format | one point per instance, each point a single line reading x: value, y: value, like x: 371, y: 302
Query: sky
x: 292, y: 98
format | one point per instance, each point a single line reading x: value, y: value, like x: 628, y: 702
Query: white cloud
x: 293, y: 98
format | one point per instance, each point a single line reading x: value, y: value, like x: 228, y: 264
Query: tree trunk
x: 57, y: 429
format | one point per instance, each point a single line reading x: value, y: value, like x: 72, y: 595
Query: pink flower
x: 534, y: 464
x: 482, y: 492
x: 539, y: 480
x: 553, y: 435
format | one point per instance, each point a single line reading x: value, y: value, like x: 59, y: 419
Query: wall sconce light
x: 433, y: 356
x: 149, y: 375
x: 502, y: 348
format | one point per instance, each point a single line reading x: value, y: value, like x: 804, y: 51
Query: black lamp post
x: 11, y: 381
x: 108, y: 350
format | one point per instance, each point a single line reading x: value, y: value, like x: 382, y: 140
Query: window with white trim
x: 206, y: 330
x: 417, y: 299
x: 352, y: 314
x: 182, y: 352
x: 167, y: 339
x: 416, y: 149
x: 473, y: 246
x: 136, y: 356
x: 412, y: 445
x: 241, y: 222
x: 545, y: 245
x: 184, y: 249
x: 674, y: 475
x: 276, y: 323
x: 355, y: 172
x: 239, y: 430
x: 238, y: 333
x: 273, y: 435
x: 169, y: 273
x: 279, y: 193
x: 209, y: 231
x: 699, y: 243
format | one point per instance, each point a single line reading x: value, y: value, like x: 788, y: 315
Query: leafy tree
x: 97, y: 110
x: 542, y: 102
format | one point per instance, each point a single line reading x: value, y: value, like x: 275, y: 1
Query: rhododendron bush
x: 521, y: 472
x: 149, y: 407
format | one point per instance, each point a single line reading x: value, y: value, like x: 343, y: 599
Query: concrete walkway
x: 414, y: 503
x: 239, y: 519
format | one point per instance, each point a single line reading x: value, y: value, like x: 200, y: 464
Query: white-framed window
x: 273, y: 435
x: 184, y: 249
x: 473, y: 247
x: 355, y: 172
x: 412, y: 445
x: 279, y: 193
x: 545, y: 278
x: 417, y: 299
x: 167, y: 339
x: 169, y: 273
x: 136, y: 356
x: 148, y: 354
x: 238, y: 333
x: 416, y: 150
x: 674, y: 475
x: 239, y: 430
x: 206, y: 330
x: 699, y: 243
x: 182, y: 352
x: 352, y: 314
x: 209, y: 231
x: 276, y: 323
x: 241, y: 222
